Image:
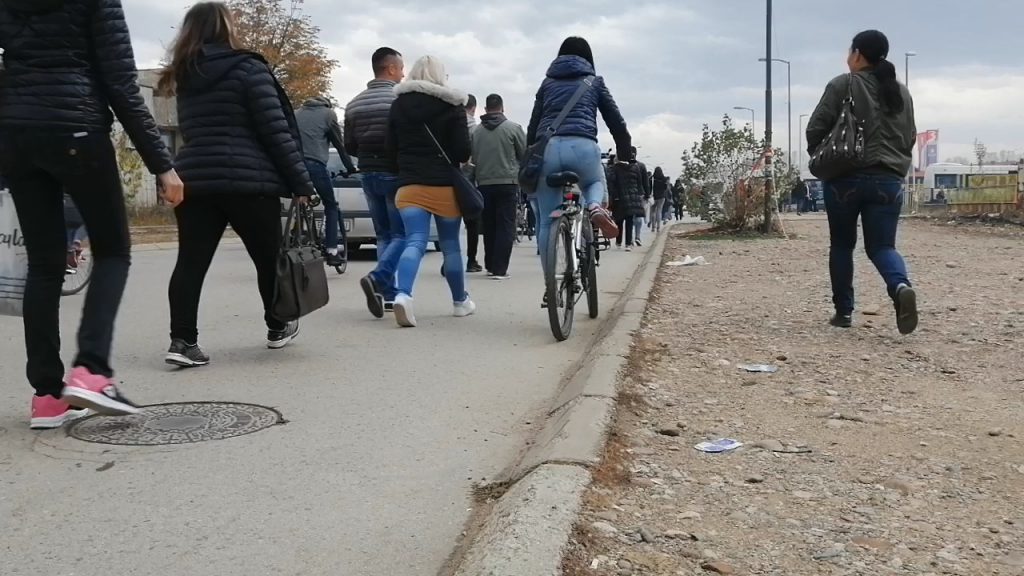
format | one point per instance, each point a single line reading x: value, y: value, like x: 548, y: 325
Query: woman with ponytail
x: 874, y: 190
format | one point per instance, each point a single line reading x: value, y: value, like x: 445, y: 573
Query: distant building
x: 140, y: 186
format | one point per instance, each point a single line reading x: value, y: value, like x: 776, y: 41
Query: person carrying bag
x: 301, y: 284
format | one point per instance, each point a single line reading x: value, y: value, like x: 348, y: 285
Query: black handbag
x: 842, y: 151
x: 301, y: 285
x: 532, y: 163
x: 469, y: 199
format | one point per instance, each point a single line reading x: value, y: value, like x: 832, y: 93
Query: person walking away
x: 241, y: 155
x: 639, y: 222
x: 626, y: 190
x: 574, y: 146
x: 473, y: 226
x: 799, y: 196
x: 678, y: 198
x: 874, y: 190
x: 319, y: 129
x: 366, y: 131
x: 497, y: 146
x: 67, y: 64
x: 660, y: 188
x: 427, y: 109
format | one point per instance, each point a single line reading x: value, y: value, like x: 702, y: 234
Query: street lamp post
x: 789, y: 106
x: 800, y: 146
x: 769, y: 170
x: 753, y: 118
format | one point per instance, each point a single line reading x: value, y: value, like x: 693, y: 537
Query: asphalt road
x: 387, y: 431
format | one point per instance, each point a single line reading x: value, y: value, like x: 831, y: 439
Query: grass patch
x: 150, y: 216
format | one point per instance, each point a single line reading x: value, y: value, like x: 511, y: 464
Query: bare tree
x: 980, y: 151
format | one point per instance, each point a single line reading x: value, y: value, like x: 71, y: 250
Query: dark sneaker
x: 473, y: 267
x: 841, y: 320
x: 334, y: 260
x: 906, y: 309
x: 277, y: 339
x: 389, y: 306
x: 604, y: 222
x: 185, y: 355
x: 374, y: 299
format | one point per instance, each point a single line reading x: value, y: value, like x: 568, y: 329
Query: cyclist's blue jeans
x: 380, y: 189
x: 322, y: 182
x: 417, y: 228
x: 877, y: 200
x: 579, y: 155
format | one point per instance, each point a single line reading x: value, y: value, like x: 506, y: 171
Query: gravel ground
x: 866, y: 453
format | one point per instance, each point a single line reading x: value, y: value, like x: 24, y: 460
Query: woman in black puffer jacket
x: 241, y: 155
x: 626, y: 195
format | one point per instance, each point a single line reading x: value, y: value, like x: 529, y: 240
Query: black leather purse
x: 842, y: 151
x: 301, y: 284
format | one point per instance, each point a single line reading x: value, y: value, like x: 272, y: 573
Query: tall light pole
x: 906, y: 80
x: 769, y: 171
x: 753, y: 121
x: 800, y: 134
x: 789, y: 106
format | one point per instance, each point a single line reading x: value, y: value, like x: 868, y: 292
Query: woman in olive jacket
x: 241, y: 155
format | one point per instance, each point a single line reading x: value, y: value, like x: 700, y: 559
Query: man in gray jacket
x: 498, y: 145
x: 319, y: 129
x: 366, y: 130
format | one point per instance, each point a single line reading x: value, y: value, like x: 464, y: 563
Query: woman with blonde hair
x: 427, y: 135
x: 241, y: 155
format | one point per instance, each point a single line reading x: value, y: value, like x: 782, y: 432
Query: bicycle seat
x: 562, y: 179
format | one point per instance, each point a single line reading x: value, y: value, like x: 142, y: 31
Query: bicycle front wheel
x: 560, y: 279
x: 77, y: 276
x: 589, y: 268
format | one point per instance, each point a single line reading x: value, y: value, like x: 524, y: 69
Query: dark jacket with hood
x: 626, y: 189
x: 661, y: 185
x: 366, y: 126
x: 422, y: 104
x: 498, y: 144
x: 240, y: 132
x: 319, y: 128
x: 889, y: 138
x: 563, y: 78
x: 66, y: 64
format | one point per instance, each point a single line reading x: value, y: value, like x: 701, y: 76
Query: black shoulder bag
x: 469, y: 199
x: 301, y: 285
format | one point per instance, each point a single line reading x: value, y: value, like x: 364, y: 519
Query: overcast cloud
x: 674, y: 65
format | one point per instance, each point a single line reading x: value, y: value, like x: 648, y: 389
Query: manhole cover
x: 181, y: 423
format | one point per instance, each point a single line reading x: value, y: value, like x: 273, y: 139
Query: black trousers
x: 499, y: 224
x: 201, y: 223
x: 472, y: 238
x: 625, y: 224
x: 40, y: 168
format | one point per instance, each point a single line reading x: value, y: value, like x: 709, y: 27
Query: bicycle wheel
x: 342, y: 245
x: 588, y: 264
x: 559, y: 279
x: 77, y: 277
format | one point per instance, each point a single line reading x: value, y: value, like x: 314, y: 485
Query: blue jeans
x: 877, y: 200
x: 380, y: 189
x: 638, y: 226
x: 417, y: 226
x: 579, y: 155
x: 325, y: 189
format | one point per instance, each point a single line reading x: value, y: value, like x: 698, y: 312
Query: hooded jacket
x: 626, y: 189
x: 366, y: 126
x: 661, y: 184
x: 240, y: 132
x: 420, y: 104
x: 319, y: 128
x: 66, y: 64
x: 563, y: 78
x: 497, y: 144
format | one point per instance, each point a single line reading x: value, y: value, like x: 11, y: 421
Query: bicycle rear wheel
x: 77, y: 277
x: 559, y: 279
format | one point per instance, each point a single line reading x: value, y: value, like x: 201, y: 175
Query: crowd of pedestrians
x: 411, y: 138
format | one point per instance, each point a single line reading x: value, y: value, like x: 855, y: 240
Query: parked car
x: 355, y: 213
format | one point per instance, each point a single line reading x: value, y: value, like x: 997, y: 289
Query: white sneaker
x: 404, y: 315
x: 464, y: 308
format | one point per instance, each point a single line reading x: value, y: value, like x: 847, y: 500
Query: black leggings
x: 625, y: 225
x: 201, y: 223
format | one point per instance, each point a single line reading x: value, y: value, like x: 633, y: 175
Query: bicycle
x: 319, y: 222
x: 572, y: 257
x: 523, y: 227
x: 79, y: 262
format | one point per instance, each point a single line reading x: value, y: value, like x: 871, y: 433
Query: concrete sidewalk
x: 387, y: 431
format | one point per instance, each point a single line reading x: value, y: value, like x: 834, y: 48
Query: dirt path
x: 867, y: 453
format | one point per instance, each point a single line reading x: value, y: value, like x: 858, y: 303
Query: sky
x: 674, y: 65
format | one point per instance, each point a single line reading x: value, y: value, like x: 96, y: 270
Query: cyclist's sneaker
x: 374, y: 298
x: 185, y: 355
x: 83, y: 389
x: 334, y: 259
x: 405, y: 316
x: 49, y: 412
x: 472, y: 267
x: 464, y: 308
x: 277, y: 339
x: 603, y: 220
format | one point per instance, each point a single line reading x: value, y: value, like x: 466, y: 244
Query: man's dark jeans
x: 381, y: 189
x: 325, y: 189
x: 40, y: 168
x: 499, y: 224
x: 877, y: 200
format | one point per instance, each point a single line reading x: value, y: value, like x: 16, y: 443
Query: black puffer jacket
x: 66, y: 64
x: 239, y: 128
x: 366, y: 126
x: 626, y: 189
x: 441, y: 108
x: 661, y: 184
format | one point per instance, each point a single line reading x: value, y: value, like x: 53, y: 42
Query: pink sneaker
x: 87, y: 390
x: 48, y: 412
